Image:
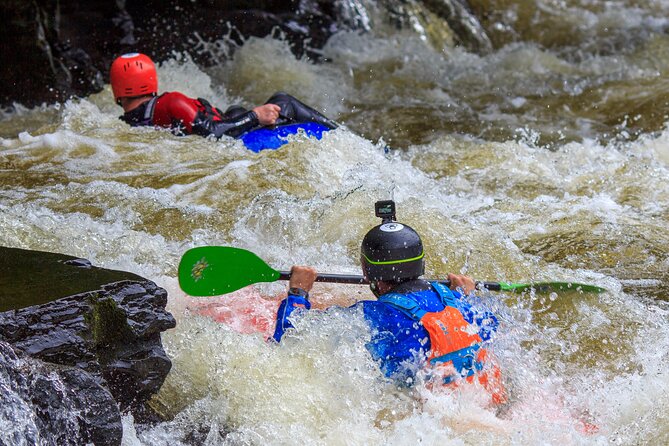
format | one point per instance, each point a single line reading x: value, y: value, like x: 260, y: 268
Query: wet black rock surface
x: 98, y: 330
x: 52, y: 50
x: 44, y: 403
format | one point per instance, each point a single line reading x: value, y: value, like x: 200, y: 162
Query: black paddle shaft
x: 332, y: 278
x: 360, y: 280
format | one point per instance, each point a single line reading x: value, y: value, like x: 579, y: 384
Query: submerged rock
x: 106, y: 334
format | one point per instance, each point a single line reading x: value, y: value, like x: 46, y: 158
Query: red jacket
x: 186, y: 116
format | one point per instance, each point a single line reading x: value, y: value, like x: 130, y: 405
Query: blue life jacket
x: 451, y: 337
x: 399, y: 342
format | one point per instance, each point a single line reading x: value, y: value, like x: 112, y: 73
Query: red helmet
x: 133, y: 74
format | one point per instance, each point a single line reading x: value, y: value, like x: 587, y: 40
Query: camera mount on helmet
x: 385, y: 210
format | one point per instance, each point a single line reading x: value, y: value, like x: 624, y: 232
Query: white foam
x: 137, y: 198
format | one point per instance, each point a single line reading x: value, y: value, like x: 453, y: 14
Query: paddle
x: 215, y: 270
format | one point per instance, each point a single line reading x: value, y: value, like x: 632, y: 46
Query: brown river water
x: 546, y: 160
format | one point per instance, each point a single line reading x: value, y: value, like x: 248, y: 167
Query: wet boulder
x: 45, y: 403
x: 62, y: 310
x: 466, y: 26
x: 59, y: 49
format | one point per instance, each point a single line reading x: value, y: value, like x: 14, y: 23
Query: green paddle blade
x: 215, y: 270
x: 544, y: 287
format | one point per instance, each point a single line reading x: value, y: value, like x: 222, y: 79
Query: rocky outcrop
x: 92, y: 333
x: 40, y: 56
x: 63, y: 48
x: 54, y: 49
x: 112, y: 333
x: 44, y: 403
x: 465, y: 25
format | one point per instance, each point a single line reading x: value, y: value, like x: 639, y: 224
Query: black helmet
x: 392, y: 251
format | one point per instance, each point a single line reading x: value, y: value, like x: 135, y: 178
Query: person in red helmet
x: 134, y: 82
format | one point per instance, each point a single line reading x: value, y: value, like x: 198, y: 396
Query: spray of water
x: 474, y: 178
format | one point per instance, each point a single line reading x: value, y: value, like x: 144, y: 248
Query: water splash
x: 592, y: 208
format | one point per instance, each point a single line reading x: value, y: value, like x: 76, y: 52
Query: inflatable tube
x: 274, y: 137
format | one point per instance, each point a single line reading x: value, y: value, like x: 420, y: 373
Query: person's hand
x: 267, y: 114
x: 466, y: 283
x: 302, y: 277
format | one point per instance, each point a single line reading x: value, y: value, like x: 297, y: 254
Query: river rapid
x: 546, y: 160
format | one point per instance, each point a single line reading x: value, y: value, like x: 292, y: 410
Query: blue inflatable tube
x: 274, y: 137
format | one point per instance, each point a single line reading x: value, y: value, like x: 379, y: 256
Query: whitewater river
x: 547, y: 159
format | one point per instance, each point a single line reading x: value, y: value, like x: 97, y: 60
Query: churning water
x: 547, y: 159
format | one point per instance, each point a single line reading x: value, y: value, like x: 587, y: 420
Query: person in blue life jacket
x: 413, y: 322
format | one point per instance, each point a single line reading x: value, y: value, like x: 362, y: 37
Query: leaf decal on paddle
x: 198, y: 269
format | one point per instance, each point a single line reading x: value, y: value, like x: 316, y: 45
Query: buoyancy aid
x: 142, y: 115
x: 184, y: 115
x: 456, y: 346
x: 212, y: 121
x: 208, y: 111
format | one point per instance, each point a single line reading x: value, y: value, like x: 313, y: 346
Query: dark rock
x: 55, y: 49
x: 467, y: 28
x: 112, y: 331
x: 57, y: 405
x: 40, y: 63
x: 33, y: 277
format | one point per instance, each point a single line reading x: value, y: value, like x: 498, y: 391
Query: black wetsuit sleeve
x: 292, y: 110
x: 231, y: 127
